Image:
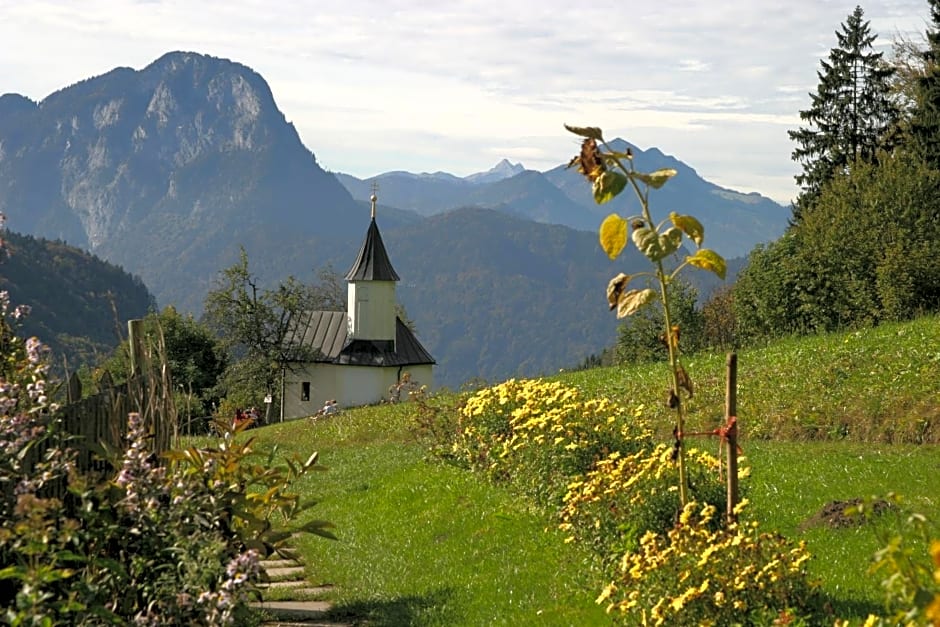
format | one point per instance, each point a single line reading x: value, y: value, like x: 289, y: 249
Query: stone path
x: 299, y: 606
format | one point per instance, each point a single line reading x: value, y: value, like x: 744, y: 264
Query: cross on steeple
x: 374, y: 197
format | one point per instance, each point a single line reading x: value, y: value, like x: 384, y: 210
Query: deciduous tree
x: 254, y: 323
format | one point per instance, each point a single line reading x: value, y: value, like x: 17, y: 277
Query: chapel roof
x: 372, y: 264
x: 326, y: 333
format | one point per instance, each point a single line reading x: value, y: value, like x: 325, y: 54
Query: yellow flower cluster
x: 698, y: 571
x: 544, y: 428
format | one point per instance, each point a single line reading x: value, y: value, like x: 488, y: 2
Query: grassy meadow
x: 823, y: 419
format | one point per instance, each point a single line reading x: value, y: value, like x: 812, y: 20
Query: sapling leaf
x: 615, y: 288
x: 608, y: 185
x: 655, y: 179
x: 690, y: 226
x: 311, y: 460
x: 709, y: 260
x: 612, y: 156
x: 670, y: 240
x: 647, y: 240
x: 632, y: 300
x: 613, y: 236
x: 591, y: 132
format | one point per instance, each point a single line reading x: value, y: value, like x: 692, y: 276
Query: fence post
x: 135, y: 343
x: 731, y: 412
x: 73, y: 388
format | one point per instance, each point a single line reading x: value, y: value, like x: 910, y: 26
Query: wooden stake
x: 731, y: 410
x: 135, y: 343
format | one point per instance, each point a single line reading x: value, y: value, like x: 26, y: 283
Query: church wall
x: 351, y: 386
x: 321, y: 380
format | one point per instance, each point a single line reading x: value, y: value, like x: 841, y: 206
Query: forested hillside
x: 79, y: 304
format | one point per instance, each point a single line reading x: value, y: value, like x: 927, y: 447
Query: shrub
x: 541, y: 434
x: 171, y: 542
x: 700, y: 573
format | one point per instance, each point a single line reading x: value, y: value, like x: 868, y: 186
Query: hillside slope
x: 80, y: 304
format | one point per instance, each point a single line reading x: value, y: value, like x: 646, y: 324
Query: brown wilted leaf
x: 685, y: 382
x: 615, y: 288
x: 672, y: 402
x: 675, y: 337
x: 590, y: 163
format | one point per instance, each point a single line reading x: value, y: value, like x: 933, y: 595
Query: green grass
x: 877, y: 385
x: 422, y: 543
x: 791, y: 482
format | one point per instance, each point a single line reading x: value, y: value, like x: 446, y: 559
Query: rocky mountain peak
x: 502, y: 170
x: 189, y: 145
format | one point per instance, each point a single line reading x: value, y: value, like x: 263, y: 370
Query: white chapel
x: 361, y: 353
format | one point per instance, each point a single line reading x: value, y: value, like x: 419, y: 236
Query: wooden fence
x: 96, y: 426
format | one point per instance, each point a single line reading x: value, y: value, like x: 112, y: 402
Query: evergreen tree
x: 925, y: 122
x: 852, y: 114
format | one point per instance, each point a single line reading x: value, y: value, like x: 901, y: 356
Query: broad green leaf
x: 613, y: 235
x: 608, y: 185
x: 709, y: 260
x: 655, y: 179
x: 591, y: 132
x: 690, y: 226
x: 670, y: 240
x: 631, y: 301
x: 615, y: 288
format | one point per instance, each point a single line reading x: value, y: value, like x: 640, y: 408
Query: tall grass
x: 877, y: 385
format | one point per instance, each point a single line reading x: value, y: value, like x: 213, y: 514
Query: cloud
x: 433, y: 86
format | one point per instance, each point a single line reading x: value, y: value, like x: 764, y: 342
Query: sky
x: 456, y: 86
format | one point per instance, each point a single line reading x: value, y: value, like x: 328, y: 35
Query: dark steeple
x: 372, y: 264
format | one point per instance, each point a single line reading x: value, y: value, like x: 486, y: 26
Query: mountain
x: 734, y: 222
x: 79, y: 304
x: 493, y: 295
x: 502, y: 170
x: 168, y: 170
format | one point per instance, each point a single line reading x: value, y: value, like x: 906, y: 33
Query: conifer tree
x: 852, y: 113
x: 925, y: 122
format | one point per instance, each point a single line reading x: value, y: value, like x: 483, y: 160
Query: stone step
x: 300, y: 611
x: 289, y: 572
x: 282, y: 563
x: 280, y: 623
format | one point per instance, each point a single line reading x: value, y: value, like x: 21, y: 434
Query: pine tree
x: 852, y: 113
x: 925, y: 121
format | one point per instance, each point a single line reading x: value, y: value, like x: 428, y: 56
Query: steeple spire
x: 374, y: 197
x: 372, y: 264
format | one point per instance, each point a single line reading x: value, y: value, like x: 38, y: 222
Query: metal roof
x: 326, y: 333
x: 372, y: 264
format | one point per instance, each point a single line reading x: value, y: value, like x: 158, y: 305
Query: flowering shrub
x: 700, y: 573
x: 627, y: 495
x: 175, y: 541
x: 542, y: 433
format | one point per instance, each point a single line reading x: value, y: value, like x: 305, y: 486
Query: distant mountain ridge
x: 166, y: 171
x: 734, y: 222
